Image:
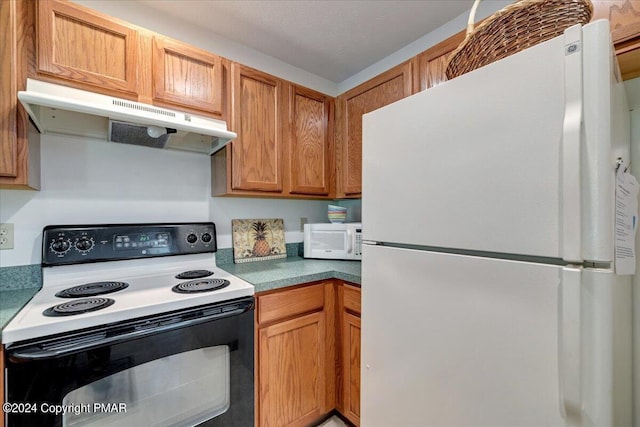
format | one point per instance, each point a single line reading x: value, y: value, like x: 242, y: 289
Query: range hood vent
x: 62, y: 110
x: 142, y: 107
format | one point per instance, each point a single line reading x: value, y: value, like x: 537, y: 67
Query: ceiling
x: 332, y: 39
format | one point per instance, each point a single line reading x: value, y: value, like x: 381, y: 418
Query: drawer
x: 288, y: 303
x: 351, y: 298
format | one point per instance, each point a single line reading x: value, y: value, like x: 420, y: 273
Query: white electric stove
x: 100, y: 275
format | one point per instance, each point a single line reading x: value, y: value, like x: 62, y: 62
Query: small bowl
x: 336, y: 214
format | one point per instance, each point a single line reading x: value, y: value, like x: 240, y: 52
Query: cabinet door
x: 8, y: 100
x: 187, y: 77
x: 433, y: 62
x: 624, y: 17
x: 310, y: 141
x: 292, y: 371
x: 349, y: 309
x: 383, y: 89
x: 351, y: 367
x: 80, y: 46
x: 256, y: 159
x: 19, y: 152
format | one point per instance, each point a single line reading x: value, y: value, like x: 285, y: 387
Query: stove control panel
x: 93, y: 243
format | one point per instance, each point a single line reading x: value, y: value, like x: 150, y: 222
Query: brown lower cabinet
x: 295, y: 355
x: 348, y: 402
x: 1, y: 385
x: 307, y: 354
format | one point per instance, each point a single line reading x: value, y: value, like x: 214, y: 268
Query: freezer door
x: 500, y: 159
x: 452, y: 340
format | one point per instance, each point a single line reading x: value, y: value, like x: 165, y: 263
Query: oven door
x: 186, y: 368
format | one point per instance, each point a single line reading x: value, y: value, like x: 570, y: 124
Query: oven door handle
x: 42, y: 351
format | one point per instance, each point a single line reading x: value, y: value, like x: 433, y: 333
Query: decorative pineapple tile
x: 258, y: 239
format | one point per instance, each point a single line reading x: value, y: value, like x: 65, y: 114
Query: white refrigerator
x: 490, y: 295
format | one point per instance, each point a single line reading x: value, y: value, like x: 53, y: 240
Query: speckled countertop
x: 267, y: 275
x: 17, y: 286
x: 11, y: 301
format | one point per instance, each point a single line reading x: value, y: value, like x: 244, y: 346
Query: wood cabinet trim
x: 331, y: 353
x: 47, y: 12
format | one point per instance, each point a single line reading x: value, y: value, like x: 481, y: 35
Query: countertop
x: 264, y: 275
x: 267, y: 275
x: 11, y: 301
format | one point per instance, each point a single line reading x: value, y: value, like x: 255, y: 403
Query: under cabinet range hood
x: 68, y: 111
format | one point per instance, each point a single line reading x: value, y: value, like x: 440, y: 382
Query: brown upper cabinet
x: 310, y: 142
x: 78, y: 45
x: 432, y: 63
x: 256, y: 160
x: 624, y: 17
x: 85, y: 49
x: 19, y: 142
x: 187, y: 77
x: 284, y: 146
x: 388, y: 87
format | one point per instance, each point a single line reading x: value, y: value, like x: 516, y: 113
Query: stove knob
x: 206, y: 237
x: 60, y: 245
x: 192, y: 238
x: 84, y: 244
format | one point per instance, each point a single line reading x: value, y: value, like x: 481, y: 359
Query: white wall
x: 90, y: 181
x: 486, y: 8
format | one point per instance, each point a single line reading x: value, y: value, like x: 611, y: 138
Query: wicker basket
x: 516, y: 27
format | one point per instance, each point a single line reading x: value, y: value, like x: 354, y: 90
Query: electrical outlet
x: 6, y: 236
x: 303, y: 221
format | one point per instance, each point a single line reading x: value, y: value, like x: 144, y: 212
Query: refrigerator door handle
x: 571, y: 140
x: 569, y: 342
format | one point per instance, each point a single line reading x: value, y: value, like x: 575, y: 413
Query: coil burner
x: 195, y: 286
x: 79, y: 306
x: 194, y: 274
x: 92, y: 289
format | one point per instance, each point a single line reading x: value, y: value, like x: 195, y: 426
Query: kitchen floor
x: 334, y: 421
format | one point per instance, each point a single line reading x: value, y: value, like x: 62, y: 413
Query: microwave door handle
x: 349, y: 241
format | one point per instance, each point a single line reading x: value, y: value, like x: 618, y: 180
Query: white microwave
x: 333, y: 241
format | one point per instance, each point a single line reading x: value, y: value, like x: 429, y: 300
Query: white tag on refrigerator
x: 626, y: 221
